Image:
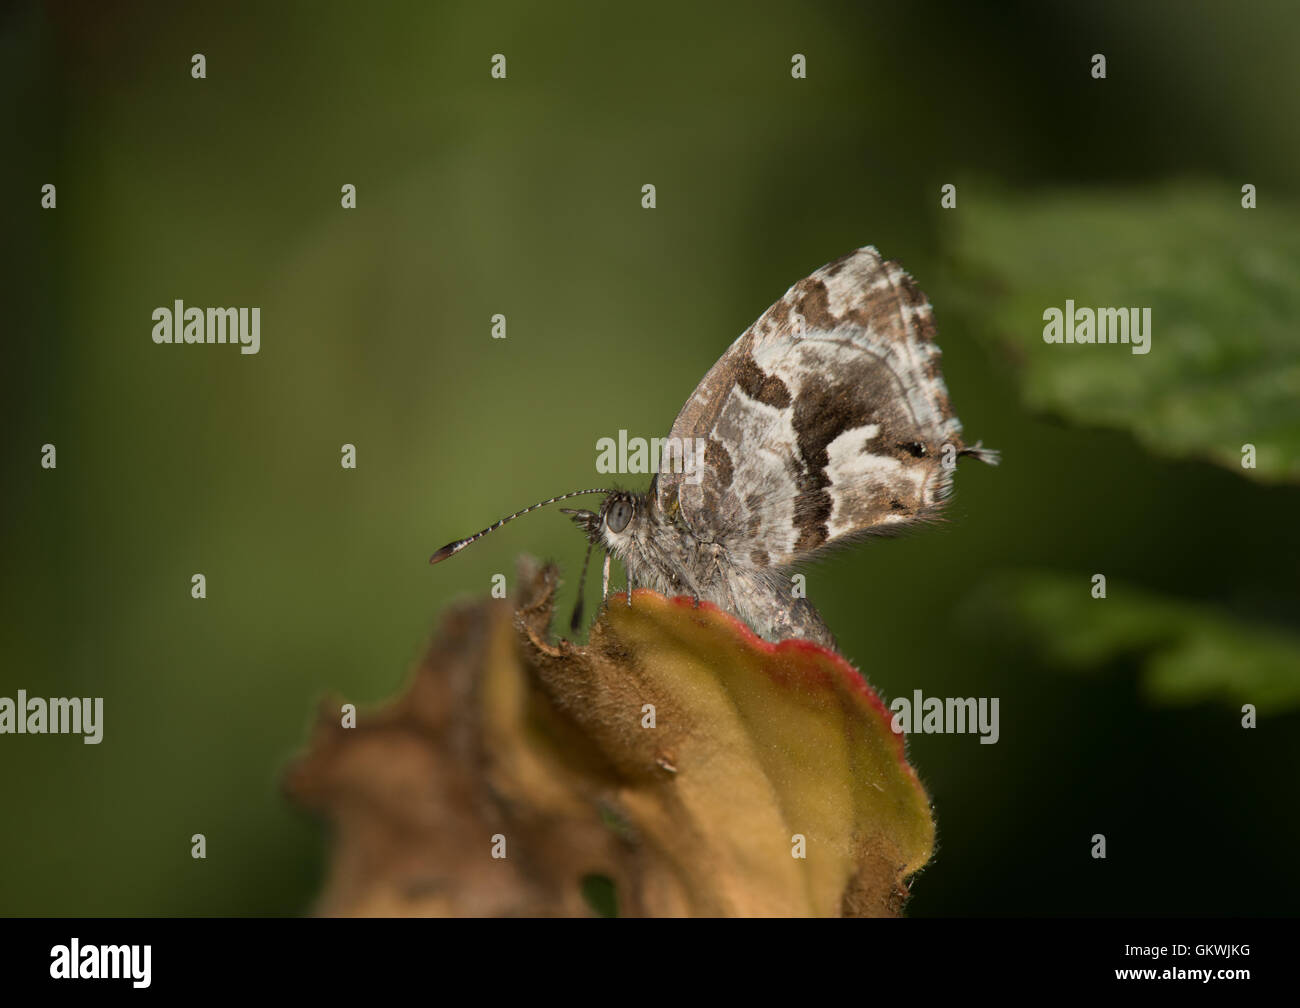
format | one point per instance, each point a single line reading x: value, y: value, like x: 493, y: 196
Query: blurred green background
x: 522, y: 196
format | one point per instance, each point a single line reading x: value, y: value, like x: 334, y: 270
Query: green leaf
x: 1187, y: 652
x: 1223, y: 368
x: 601, y: 895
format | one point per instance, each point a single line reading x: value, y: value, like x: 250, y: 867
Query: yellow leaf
x: 702, y: 770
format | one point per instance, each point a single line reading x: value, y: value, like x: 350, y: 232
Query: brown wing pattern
x: 826, y: 419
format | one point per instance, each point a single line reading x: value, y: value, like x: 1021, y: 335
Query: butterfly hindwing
x: 828, y: 418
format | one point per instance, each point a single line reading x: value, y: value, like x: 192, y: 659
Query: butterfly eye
x: 620, y: 513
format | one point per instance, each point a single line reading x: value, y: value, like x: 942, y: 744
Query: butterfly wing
x: 828, y: 418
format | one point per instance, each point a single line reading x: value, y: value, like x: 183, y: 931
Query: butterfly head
x: 620, y: 518
x: 618, y: 512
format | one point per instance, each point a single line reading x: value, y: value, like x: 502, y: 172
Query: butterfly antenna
x: 452, y: 548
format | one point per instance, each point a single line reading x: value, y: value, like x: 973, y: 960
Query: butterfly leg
x: 604, y: 580
x: 629, y: 589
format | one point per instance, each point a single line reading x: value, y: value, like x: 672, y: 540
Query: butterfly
x: 827, y: 421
